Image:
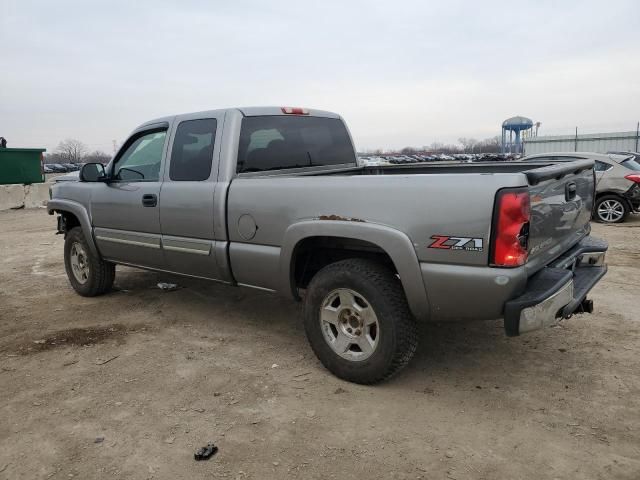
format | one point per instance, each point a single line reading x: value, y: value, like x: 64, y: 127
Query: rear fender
x: 395, y: 243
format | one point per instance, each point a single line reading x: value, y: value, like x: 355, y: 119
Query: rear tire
x: 88, y: 274
x: 611, y: 209
x: 358, y: 321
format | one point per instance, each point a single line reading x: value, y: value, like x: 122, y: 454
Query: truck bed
x: 531, y: 169
x: 421, y: 201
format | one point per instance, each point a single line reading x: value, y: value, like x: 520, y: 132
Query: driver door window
x: 141, y: 160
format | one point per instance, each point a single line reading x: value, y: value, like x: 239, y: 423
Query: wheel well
x: 314, y: 253
x: 70, y: 220
x: 625, y: 201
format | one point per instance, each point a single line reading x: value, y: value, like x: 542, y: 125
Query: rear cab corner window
x: 141, y: 159
x: 602, y: 166
x: 192, y: 150
x: 283, y: 142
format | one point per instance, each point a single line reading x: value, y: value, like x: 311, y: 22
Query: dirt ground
x: 130, y: 384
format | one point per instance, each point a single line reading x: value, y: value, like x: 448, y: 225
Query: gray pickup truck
x: 273, y: 198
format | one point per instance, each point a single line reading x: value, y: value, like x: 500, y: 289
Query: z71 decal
x: 445, y: 242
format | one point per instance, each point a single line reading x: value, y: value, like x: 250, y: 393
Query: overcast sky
x: 400, y: 72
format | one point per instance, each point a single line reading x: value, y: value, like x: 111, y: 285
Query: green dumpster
x: 21, y: 165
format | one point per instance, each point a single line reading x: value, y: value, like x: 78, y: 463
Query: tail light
x: 509, y: 246
x: 634, y: 177
x: 294, y: 111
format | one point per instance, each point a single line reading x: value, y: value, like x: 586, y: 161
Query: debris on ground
x: 205, y: 453
x: 99, y: 440
x: 167, y: 287
x: 275, y: 365
x: 102, y: 362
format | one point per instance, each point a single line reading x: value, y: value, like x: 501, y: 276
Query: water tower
x: 515, y: 125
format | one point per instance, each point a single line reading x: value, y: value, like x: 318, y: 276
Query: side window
x: 140, y: 162
x: 602, y: 166
x: 192, y: 152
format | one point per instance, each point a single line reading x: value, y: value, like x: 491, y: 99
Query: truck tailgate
x: 562, y: 197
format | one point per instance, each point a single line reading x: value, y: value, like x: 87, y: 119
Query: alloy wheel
x: 610, y: 211
x: 349, y: 324
x: 79, y: 263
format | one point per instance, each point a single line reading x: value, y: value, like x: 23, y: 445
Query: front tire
x: 358, y: 321
x: 88, y: 274
x: 611, y: 209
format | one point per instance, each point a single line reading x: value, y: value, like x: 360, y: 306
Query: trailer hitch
x: 586, y: 306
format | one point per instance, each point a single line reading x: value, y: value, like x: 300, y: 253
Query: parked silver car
x: 617, y: 182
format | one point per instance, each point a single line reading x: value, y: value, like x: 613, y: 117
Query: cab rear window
x: 281, y: 142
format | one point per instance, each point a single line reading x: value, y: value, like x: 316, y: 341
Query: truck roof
x: 246, y: 111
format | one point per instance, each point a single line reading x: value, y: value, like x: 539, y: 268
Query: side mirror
x: 92, y: 172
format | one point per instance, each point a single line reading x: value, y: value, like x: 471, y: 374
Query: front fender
x: 77, y: 209
x: 395, y: 243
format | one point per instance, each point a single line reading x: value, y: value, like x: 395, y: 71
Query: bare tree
x: 97, y: 157
x: 469, y: 144
x: 71, y: 150
x: 488, y: 145
x: 408, y: 151
x: 54, y: 158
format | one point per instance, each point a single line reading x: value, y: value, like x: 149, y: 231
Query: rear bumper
x: 633, y: 196
x: 558, y: 290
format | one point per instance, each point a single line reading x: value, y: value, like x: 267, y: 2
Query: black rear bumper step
x: 557, y: 290
x: 586, y: 245
x: 540, y: 287
x: 585, y: 278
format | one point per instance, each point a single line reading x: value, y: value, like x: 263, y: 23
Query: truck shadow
x: 471, y: 355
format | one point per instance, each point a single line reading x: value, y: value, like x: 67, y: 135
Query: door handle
x: 570, y: 190
x: 149, y: 200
